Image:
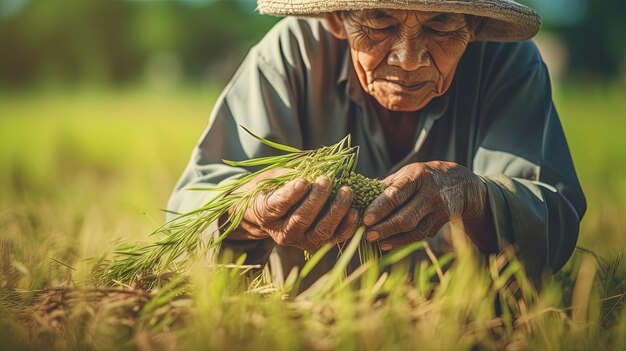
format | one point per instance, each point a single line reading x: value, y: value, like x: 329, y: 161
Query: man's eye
x: 442, y: 33
x: 380, y: 30
x: 439, y: 32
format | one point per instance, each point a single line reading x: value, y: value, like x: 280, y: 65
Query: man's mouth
x: 411, y: 86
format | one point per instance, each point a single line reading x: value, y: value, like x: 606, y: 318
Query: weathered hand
x: 420, y: 199
x: 298, y: 214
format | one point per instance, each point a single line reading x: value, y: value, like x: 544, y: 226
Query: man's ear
x: 336, y: 25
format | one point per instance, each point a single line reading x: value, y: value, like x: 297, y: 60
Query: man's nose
x: 409, y: 53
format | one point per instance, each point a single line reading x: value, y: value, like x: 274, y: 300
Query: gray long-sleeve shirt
x: 297, y: 86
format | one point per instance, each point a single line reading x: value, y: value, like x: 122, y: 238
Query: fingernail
x: 344, y: 191
x: 299, y: 185
x: 385, y: 247
x: 369, y: 219
x: 371, y: 236
x: 323, y: 182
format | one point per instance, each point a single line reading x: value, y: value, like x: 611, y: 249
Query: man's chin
x: 401, y: 103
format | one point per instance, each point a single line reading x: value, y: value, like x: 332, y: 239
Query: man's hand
x: 420, y: 199
x: 298, y: 214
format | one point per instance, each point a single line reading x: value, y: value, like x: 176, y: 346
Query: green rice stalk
x: 181, y: 237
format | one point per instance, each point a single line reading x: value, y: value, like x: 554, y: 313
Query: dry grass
x: 82, y: 170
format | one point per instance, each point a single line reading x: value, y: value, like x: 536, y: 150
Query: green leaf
x: 342, y: 263
x: 397, y: 255
x: 261, y: 161
x: 275, y: 145
x: 314, y: 260
x: 170, y: 211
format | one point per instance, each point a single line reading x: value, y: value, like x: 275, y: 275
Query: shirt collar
x: 343, y: 71
x: 347, y: 76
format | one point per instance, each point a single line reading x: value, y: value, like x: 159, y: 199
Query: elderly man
x: 450, y: 106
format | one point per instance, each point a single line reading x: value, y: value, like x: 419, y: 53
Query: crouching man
x: 450, y: 105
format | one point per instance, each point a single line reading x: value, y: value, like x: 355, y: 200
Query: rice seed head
x: 365, y: 189
x: 182, y: 234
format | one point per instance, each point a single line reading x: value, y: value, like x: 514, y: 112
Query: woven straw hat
x: 505, y: 20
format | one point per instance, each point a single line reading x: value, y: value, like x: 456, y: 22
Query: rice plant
x: 58, y: 209
x: 182, y: 235
x: 458, y: 301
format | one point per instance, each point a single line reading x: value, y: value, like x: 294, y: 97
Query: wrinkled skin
x: 403, y: 59
x: 299, y: 214
x: 421, y: 198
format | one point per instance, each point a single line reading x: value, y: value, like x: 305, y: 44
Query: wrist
x: 245, y: 231
x: 479, y: 227
x: 476, y: 200
x: 478, y: 222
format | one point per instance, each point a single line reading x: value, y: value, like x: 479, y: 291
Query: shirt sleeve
x: 534, y: 194
x: 261, y: 98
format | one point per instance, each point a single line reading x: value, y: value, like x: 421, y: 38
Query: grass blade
x: 272, y: 144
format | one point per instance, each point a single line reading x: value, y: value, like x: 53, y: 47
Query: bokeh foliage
x: 593, y: 32
x: 73, y: 41
x: 81, y: 168
x: 103, y: 41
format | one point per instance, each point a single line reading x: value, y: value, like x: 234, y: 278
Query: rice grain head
x: 365, y: 189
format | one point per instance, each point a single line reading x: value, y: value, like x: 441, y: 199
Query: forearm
x: 482, y: 230
x: 541, y: 222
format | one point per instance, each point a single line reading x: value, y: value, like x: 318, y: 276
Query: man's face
x: 403, y: 58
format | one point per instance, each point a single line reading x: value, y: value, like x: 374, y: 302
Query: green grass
x: 594, y: 120
x: 79, y: 170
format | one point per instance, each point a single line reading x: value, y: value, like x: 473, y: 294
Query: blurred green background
x: 101, y: 102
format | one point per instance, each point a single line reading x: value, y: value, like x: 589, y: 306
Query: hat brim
x: 504, y: 20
